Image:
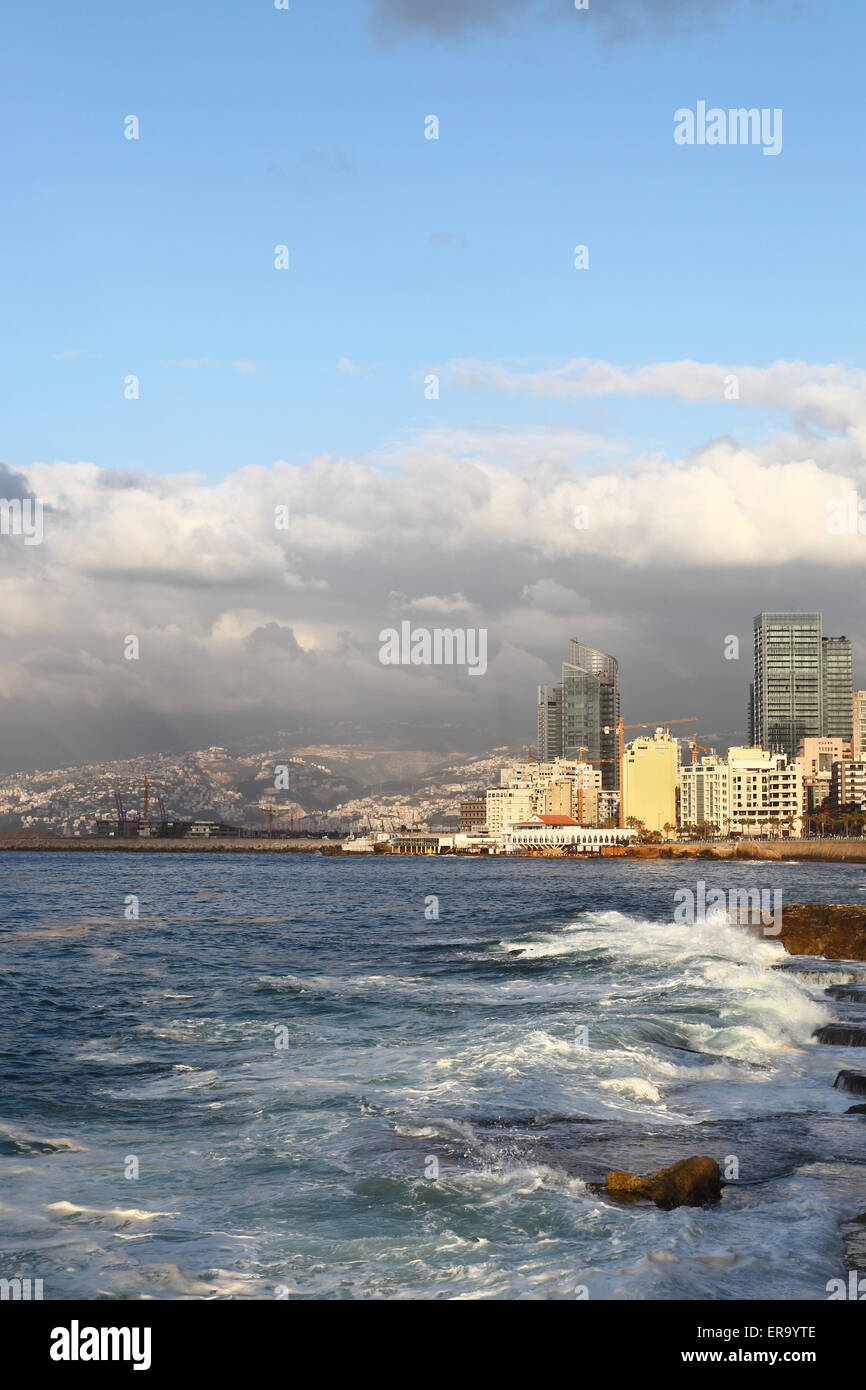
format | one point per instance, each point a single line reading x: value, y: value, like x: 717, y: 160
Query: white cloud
x: 827, y: 395
x: 237, y: 618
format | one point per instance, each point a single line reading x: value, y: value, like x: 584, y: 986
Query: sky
x: 152, y: 261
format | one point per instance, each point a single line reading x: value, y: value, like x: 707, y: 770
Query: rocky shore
x: 829, y: 931
x: 843, y: 851
x: 820, y: 929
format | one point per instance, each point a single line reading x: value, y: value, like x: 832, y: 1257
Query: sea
x: 296, y: 1076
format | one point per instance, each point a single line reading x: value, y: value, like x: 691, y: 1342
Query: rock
x: 841, y: 1035
x: 856, y: 1110
x: 854, y: 993
x: 854, y: 1241
x: 692, y: 1182
x: 819, y: 929
x: 853, y: 1081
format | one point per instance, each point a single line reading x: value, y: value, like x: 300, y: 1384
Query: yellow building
x: 649, y: 781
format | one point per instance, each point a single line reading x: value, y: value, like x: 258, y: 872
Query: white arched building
x: 555, y: 832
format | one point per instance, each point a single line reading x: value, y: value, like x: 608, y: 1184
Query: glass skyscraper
x: 549, y: 723
x: 802, y: 682
x: 837, y: 688
x: 573, y: 716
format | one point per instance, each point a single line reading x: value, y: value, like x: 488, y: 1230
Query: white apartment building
x: 562, y: 786
x: 751, y: 793
x: 506, y: 805
x: 765, y: 793
x: 705, y: 792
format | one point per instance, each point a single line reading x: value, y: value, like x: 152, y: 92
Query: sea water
x: 295, y: 1077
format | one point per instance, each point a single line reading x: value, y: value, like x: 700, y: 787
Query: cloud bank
x: 243, y: 624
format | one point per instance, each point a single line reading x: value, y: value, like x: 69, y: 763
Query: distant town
x: 585, y: 787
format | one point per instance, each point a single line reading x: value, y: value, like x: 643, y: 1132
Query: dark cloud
x: 13, y: 484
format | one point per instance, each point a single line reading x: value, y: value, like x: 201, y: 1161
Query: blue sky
x: 305, y: 127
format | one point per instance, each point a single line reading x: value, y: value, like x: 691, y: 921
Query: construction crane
x: 694, y: 746
x: 618, y: 728
x: 121, y: 814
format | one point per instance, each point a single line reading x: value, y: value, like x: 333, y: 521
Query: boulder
x: 821, y: 929
x: 856, y: 1110
x: 841, y: 1035
x: 853, y: 1081
x: 692, y: 1182
x: 854, y: 994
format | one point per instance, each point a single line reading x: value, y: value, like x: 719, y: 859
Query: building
x: 848, y: 786
x: 836, y: 692
x: 473, y: 814
x: 817, y: 755
x: 802, y: 683
x: 565, y: 786
x: 557, y: 833
x: 649, y: 781
x: 506, y: 805
x: 704, y: 793
x: 751, y: 792
x: 765, y: 793
x: 786, y: 697
x: 858, y: 724
x: 578, y: 717
x: 549, y: 722
x: 556, y: 798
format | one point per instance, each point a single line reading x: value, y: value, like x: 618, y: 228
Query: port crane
x: 277, y: 811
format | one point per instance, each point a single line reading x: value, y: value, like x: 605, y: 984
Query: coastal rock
x: 819, y: 929
x: 854, y: 1240
x: 853, y: 1081
x: 855, y: 994
x: 841, y: 1035
x: 856, y: 1110
x: 691, y: 1182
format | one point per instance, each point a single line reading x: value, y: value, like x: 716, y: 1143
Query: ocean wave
x: 110, y: 1216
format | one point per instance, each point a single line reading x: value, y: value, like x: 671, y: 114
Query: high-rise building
x: 649, y: 769
x: 802, y: 683
x: 858, y: 725
x: 590, y: 705
x: 786, y: 703
x: 549, y: 722
x: 836, y: 688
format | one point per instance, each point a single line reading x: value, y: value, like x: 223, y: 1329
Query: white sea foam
x: 110, y: 1216
x: 633, y: 1086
